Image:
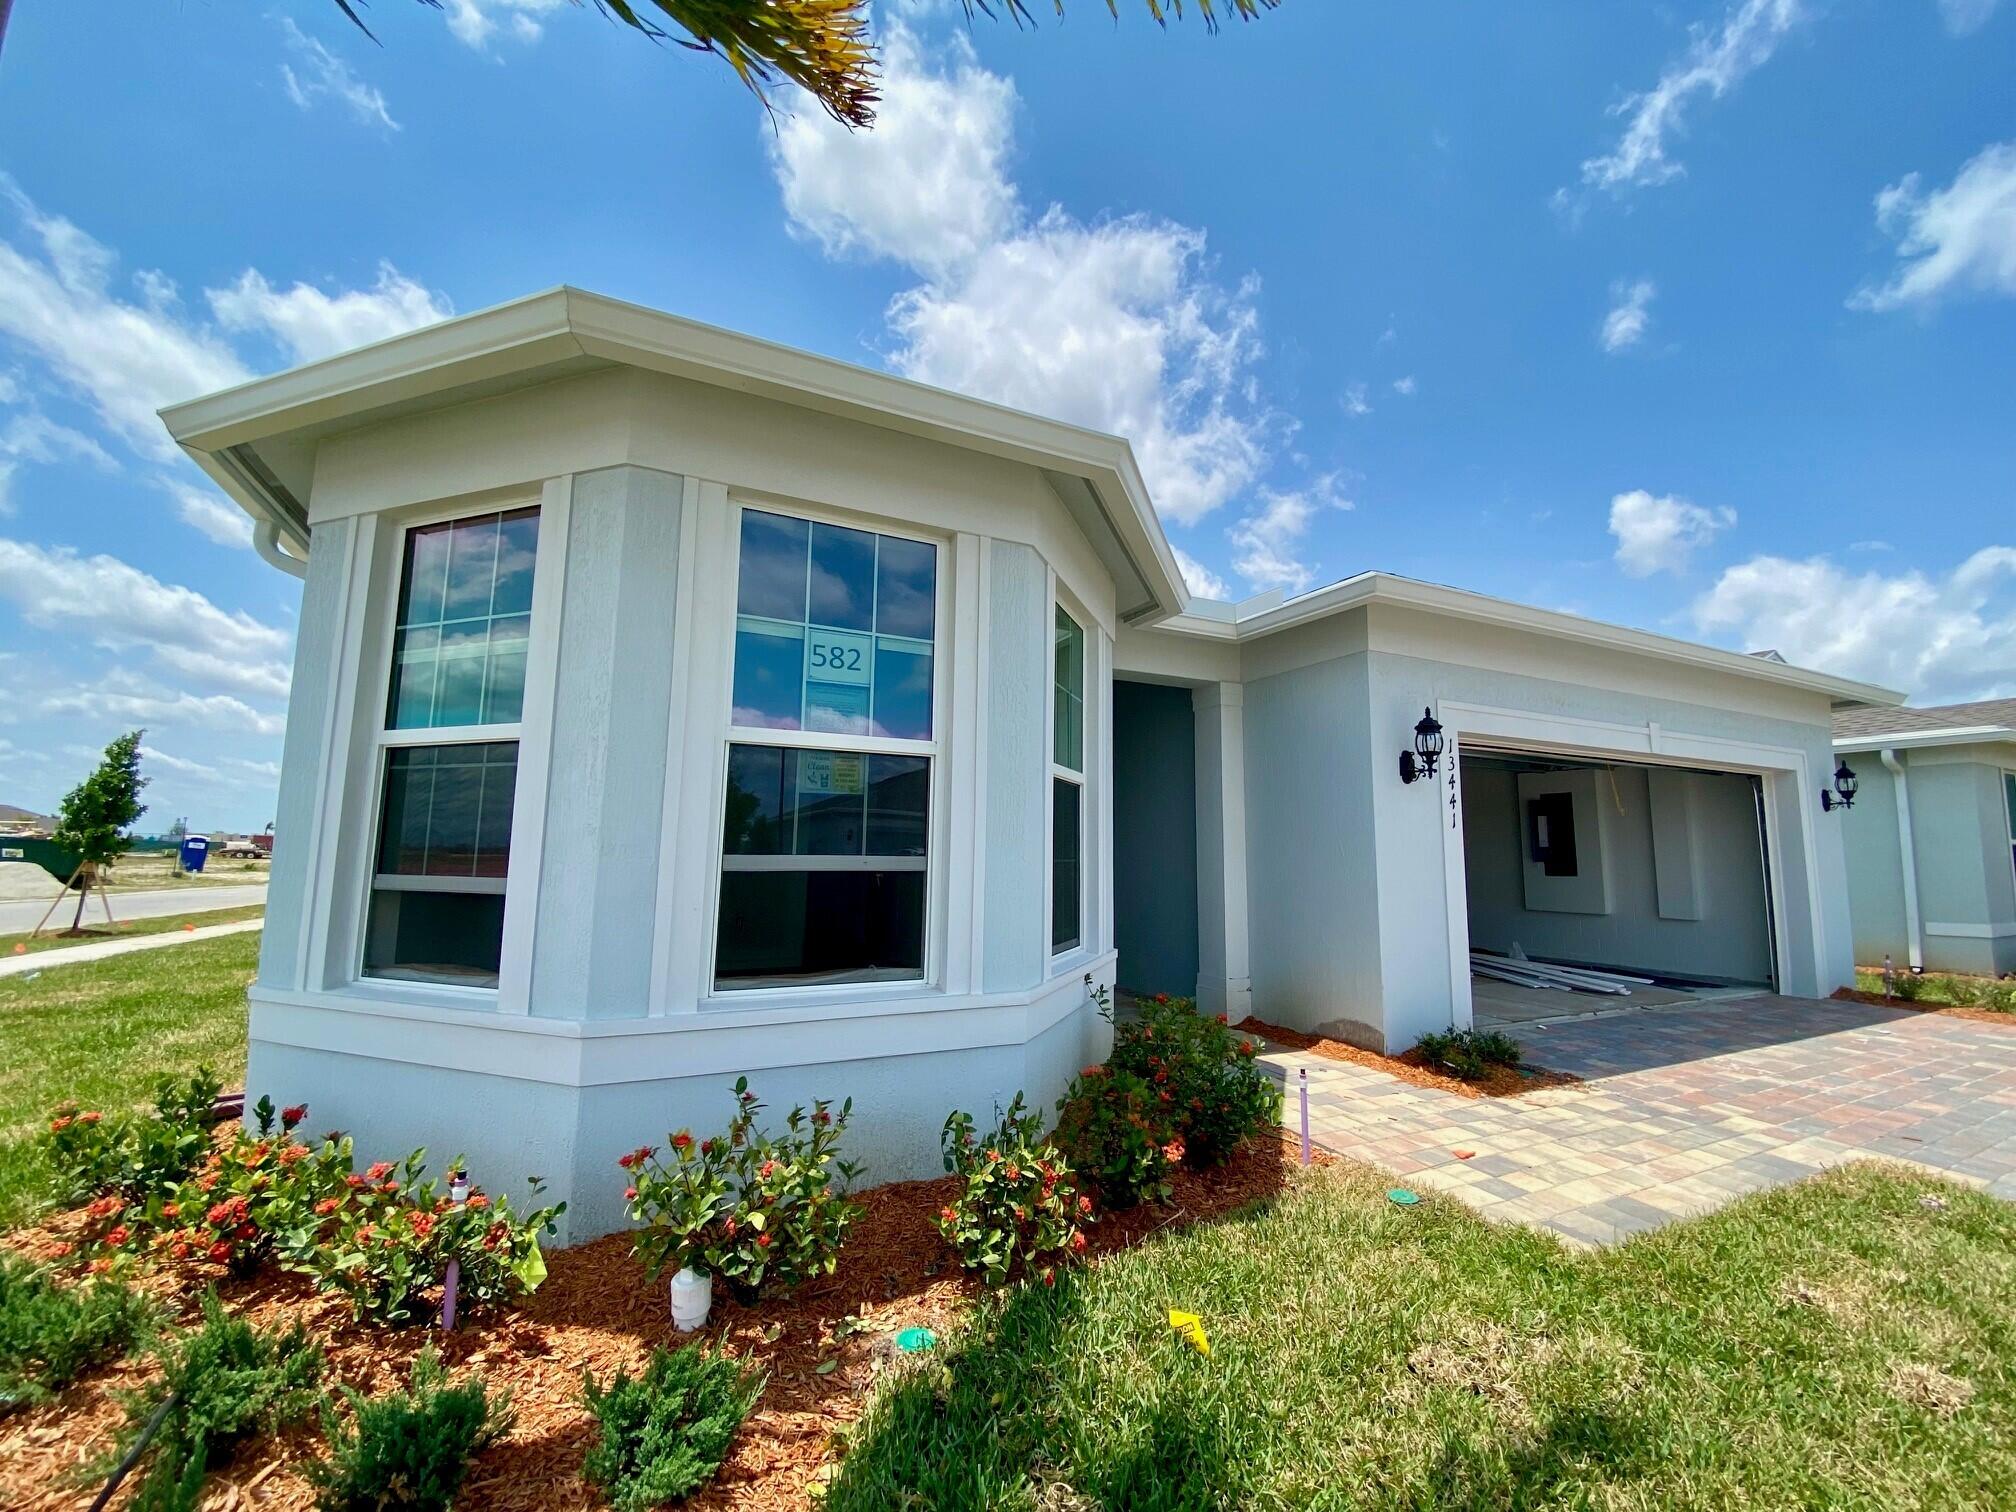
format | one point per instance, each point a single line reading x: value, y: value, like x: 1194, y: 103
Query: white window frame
x: 510, y: 990
x: 1062, y: 599
x: 935, y: 751
x: 2008, y: 776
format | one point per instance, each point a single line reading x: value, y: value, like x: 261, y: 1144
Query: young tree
x: 100, y: 811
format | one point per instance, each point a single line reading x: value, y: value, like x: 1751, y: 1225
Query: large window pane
x: 1066, y: 890
x: 833, y: 629
x: 1069, y: 718
x: 823, y: 867
x: 465, y: 596
x: 447, y: 810
x: 781, y: 929
x: 444, y: 843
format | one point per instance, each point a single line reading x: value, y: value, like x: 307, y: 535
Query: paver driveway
x: 1683, y: 1108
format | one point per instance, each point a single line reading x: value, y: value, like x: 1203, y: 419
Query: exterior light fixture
x: 1843, y: 795
x: 1427, y: 753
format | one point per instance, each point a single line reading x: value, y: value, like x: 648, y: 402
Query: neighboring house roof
x: 1991, y: 719
x: 258, y: 442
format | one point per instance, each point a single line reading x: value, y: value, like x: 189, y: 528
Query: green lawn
x: 54, y: 939
x: 1832, y: 1344
x: 102, y: 1031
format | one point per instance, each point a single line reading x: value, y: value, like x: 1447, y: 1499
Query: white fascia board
x: 1384, y: 588
x: 570, y: 328
x: 1910, y: 739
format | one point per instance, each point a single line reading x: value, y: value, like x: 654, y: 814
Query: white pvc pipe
x: 266, y: 541
x: 1913, y: 932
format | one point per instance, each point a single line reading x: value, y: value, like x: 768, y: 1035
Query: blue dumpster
x: 195, y: 851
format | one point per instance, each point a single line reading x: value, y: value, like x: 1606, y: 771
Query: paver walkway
x: 1683, y: 1108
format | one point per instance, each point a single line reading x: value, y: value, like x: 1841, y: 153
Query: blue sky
x: 1699, y: 317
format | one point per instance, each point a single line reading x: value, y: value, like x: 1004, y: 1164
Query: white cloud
x: 1713, y: 64
x: 120, y: 606
x: 1661, y: 533
x: 128, y: 358
x: 310, y: 324
x: 1267, y: 543
x: 324, y: 76
x: 475, y: 22
x: 1965, y: 16
x: 33, y: 437
x: 1404, y: 386
x: 1356, y: 405
x: 929, y: 185
x: 177, y: 763
x: 1116, y: 324
x: 1201, y: 580
x: 219, y: 519
x: 1960, y: 238
x: 215, y: 712
x: 1940, y: 638
x: 1630, y: 314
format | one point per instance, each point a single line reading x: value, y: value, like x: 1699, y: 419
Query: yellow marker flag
x: 1190, y: 1328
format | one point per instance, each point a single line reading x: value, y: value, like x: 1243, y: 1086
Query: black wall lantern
x: 1427, y: 753
x: 1843, y: 795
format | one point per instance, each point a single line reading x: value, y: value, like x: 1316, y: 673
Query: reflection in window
x: 1069, y: 720
x: 834, y: 629
x: 823, y: 868
x: 465, y: 619
x: 1067, y: 903
x: 444, y: 846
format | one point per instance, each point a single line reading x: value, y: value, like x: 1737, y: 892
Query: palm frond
x: 822, y: 46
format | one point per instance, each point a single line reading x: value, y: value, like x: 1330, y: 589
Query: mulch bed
x: 1950, y: 1010
x: 1411, y: 1066
x: 597, y: 1312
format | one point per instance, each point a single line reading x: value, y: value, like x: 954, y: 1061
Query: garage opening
x: 1596, y: 885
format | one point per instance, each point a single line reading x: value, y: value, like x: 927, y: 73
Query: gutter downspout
x: 1913, y: 934
x: 266, y: 541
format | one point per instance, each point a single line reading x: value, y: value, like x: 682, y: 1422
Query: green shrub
x: 408, y: 1448
x: 760, y: 1211
x: 51, y: 1334
x: 1019, y: 1202
x: 1119, y: 1135
x: 134, y: 1156
x: 226, y: 1383
x: 665, y: 1433
x: 1468, y: 1054
x: 1203, y: 1073
x: 385, y: 1237
x: 1906, y: 986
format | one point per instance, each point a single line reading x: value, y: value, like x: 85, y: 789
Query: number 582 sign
x: 838, y: 656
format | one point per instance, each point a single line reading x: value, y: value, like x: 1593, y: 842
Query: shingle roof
x: 1999, y: 712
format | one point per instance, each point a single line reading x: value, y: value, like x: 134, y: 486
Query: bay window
x: 1067, y: 787
x: 826, y: 824
x: 448, y: 745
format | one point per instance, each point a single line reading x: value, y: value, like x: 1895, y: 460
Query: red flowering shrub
x: 384, y: 1239
x: 1201, y: 1072
x: 1120, y: 1134
x: 1020, y: 1203
x: 759, y: 1211
x: 251, y: 1197
x: 134, y: 1155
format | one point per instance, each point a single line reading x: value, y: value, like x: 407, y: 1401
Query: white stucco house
x: 1932, y: 838
x: 670, y: 706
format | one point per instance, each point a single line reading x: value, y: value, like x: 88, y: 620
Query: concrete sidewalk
x: 99, y: 950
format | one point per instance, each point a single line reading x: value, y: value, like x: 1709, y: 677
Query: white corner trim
x: 1907, y: 854
x: 535, y: 747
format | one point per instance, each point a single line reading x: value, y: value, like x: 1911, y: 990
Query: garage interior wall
x: 1705, y: 918
x: 1155, y: 838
